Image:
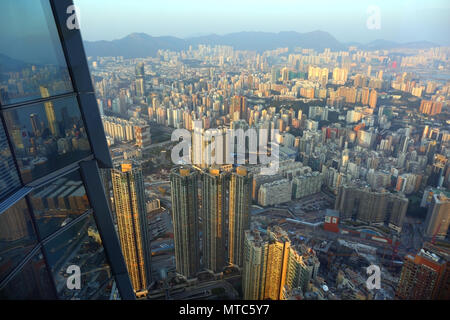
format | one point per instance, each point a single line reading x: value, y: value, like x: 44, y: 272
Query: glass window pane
x: 32, y: 63
x: 47, y: 136
x: 9, y: 179
x: 31, y: 283
x: 59, y: 202
x: 17, y: 237
x: 108, y: 291
x: 81, y: 246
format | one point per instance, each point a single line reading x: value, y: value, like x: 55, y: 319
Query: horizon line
x: 267, y: 32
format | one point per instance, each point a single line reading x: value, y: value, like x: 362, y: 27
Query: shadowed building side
x: 184, y: 193
x: 239, y: 214
x: 214, y: 207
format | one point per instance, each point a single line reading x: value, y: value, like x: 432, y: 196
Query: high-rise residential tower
x: 272, y: 267
x: 371, y: 206
x: 140, y: 70
x: 426, y: 275
x: 214, y: 206
x: 185, y: 214
x: 239, y: 214
x: 438, y: 216
x: 129, y: 202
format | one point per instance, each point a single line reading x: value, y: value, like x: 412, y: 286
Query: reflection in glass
x: 59, y: 202
x: 31, y: 57
x: 9, y: 179
x: 17, y: 237
x: 31, y: 283
x: 108, y: 291
x: 81, y: 246
x: 47, y: 136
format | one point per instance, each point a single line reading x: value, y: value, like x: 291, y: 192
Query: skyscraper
x: 365, y: 94
x: 214, y: 206
x: 373, y: 99
x: 272, y: 267
x: 140, y: 87
x: 140, y: 74
x: 438, y: 217
x: 239, y: 214
x: 49, y: 112
x: 274, y: 74
x: 129, y: 201
x: 426, y: 275
x: 140, y: 70
x: 238, y: 108
x: 54, y: 215
x: 184, y: 193
x: 35, y: 124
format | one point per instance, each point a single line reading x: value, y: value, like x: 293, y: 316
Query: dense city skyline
x: 361, y: 166
x: 250, y: 166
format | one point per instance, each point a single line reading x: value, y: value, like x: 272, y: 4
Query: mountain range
x: 138, y: 45
x: 8, y: 64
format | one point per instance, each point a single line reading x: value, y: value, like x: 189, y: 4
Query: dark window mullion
x: 38, y: 236
x: 13, y: 273
x: 73, y: 50
x: 103, y: 219
x: 71, y: 72
x: 38, y: 101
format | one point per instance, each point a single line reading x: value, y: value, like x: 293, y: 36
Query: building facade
x: 272, y: 267
x: 438, y: 217
x: 426, y: 275
x: 54, y: 217
x: 131, y: 214
x: 185, y: 214
x: 371, y: 206
x: 214, y: 228
x: 275, y: 192
x: 239, y: 214
x: 307, y: 184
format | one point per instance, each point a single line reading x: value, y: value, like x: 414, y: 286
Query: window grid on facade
x: 53, y: 214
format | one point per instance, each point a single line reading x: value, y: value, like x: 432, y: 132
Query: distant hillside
x: 8, y: 64
x: 386, y: 45
x: 135, y: 45
x: 262, y: 41
x: 142, y: 45
x: 138, y: 45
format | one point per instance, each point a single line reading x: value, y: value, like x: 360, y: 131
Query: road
x: 157, y: 183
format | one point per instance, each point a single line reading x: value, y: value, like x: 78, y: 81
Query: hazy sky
x: 400, y: 20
